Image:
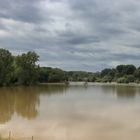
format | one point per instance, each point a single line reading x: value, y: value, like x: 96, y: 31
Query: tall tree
x: 125, y: 69
x: 105, y: 72
x: 27, y: 70
x: 6, y: 67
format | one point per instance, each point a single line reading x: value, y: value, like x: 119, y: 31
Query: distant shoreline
x: 92, y: 84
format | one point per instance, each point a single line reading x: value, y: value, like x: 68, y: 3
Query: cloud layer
x: 73, y: 34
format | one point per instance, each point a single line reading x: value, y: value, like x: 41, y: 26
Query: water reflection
x: 121, y: 91
x: 74, y: 113
x: 24, y: 101
x: 126, y: 92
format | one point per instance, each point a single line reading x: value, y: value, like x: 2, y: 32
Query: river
x: 76, y: 112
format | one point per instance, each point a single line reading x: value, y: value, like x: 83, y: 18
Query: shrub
x: 122, y: 80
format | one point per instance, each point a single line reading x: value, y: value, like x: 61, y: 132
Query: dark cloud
x: 73, y: 34
x: 75, y: 38
x: 22, y: 10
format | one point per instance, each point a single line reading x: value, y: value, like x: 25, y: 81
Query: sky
x: 85, y: 35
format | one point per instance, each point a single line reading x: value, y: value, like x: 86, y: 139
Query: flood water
x: 54, y: 112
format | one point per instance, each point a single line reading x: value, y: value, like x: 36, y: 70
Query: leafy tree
x: 137, y: 74
x: 120, y: 69
x: 47, y: 74
x: 27, y: 70
x: 105, y: 72
x: 56, y: 75
x: 43, y: 74
x: 130, y: 69
x: 112, y: 73
x: 125, y: 69
x: 6, y: 67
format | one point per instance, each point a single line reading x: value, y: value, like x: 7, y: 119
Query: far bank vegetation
x: 23, y: 70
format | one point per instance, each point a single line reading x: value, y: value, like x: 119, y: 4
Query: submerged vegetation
x: 23, y: 70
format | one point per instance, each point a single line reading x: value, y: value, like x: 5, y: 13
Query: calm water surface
x: 97, y: 112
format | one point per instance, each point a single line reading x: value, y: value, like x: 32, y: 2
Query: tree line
x: 23, y: 70
x: 120, y: 74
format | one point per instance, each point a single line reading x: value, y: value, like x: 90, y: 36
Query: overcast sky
x: 73, y: 34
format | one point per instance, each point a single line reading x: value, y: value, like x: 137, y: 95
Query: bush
x: 98, y: 80
x: 122, y: 80
x: 93, y: 79
x: 130, y: 78
x: 107, y: 78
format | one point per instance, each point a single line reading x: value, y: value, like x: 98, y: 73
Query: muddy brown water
x: 57, y: 112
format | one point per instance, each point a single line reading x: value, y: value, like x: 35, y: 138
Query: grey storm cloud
x: 21, y: 10
x: 73, y: 34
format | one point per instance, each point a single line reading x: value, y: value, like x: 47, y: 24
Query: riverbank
x: 92, y: 84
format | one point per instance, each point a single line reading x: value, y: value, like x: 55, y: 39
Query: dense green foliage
x: 27, y: 70
x: 120, y: 74
x: 23, y: 70
x: 47, y: 74
x: 51, y: 75
x: 6, y: 67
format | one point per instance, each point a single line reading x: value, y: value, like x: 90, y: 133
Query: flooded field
x: 56, y: 112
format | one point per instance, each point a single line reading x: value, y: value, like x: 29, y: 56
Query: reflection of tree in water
x: 108, y: 89
x: 121, y: 91
x: 6, y: 106
x: 126, y: 91
x: 23, y: 100
x: 26, y: 103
